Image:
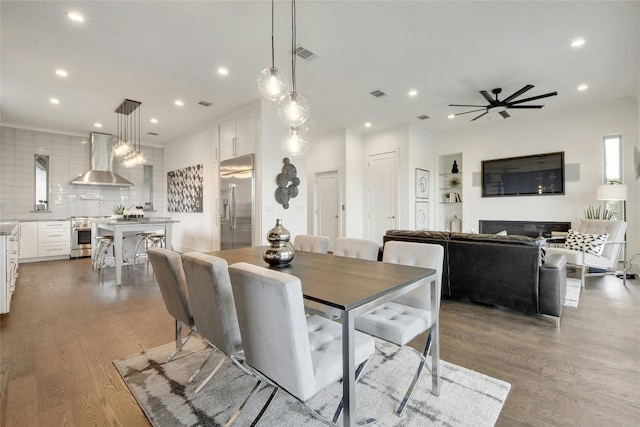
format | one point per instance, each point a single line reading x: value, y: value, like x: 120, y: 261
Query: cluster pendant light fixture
x: 128, y: 146
x: 293, y: 108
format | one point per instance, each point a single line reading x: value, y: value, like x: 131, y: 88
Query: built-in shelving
x: 450, y: 192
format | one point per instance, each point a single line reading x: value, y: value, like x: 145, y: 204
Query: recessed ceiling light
x: 154, y: 120
x: 55, y: 101
x: 451, y: 116
x: 577, y: 42
x: 179, y: 103
x: 583, y: 87
x: 223, y: 71
x: 62, y: 73
x: 74, y: 16
x: 367, y: 125
x: 413, y: 92
x: 98, y: 125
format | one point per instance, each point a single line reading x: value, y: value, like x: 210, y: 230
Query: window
x: 613, y: 170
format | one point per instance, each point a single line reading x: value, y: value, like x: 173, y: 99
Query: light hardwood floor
x: 66, y: 327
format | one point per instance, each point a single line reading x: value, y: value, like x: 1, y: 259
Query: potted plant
x: 118, y: 211
x: 598, y: 213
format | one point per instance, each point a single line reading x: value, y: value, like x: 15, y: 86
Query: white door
x: 328, y: 205
x: 382, y: 194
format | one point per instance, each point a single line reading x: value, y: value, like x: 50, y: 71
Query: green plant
x: 118, y: 209
x: 598, y: 213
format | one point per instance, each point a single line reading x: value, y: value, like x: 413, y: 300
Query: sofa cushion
x: 591, y: 243
x: 499, y: 239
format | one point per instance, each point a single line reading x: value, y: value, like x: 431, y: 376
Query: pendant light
x: 122, y: 147
x: 293, y: 108
x: 295, y: 141
x: 270, y: 84
x: 129, y: 132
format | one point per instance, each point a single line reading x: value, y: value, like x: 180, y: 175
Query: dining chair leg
x: 213, y: 352
x: 179, y: 342
x: 265, y: 407
x: 416, y: 377
x: 206, y: 380
x: 237, y: 413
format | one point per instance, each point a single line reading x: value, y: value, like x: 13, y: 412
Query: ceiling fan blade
x: 466, y: 105
x: 518, y: 93
x: 526, y: 106
x: 487, y: 97
x: 533, y: 98
x: 504, y: 114
x: 472, y: 111
x: 476, y: 118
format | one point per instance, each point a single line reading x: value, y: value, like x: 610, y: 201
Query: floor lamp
x: 617, y: 192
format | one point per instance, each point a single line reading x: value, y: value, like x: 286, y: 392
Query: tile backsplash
x: 69, y: 156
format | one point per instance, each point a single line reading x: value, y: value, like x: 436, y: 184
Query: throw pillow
x: 594, y: 243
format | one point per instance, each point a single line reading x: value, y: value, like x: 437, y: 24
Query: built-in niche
x: 41, y: 179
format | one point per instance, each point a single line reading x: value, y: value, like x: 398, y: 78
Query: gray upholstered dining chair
x: 356, y: 248
x: 167, y: 267
x: 310, y: 243
x: 213, y: 308
x: 405, y: 317
x: 300, y: 354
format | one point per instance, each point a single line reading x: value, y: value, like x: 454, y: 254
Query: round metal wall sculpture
x: 287, y: 183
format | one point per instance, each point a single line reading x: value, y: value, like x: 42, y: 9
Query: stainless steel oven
x: 80, y: 236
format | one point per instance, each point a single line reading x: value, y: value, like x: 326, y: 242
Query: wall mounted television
x: 534, y: 175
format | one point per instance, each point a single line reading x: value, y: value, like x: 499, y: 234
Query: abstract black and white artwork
x: 184, y: 189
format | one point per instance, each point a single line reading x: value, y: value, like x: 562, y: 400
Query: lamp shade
x: 611, y: 192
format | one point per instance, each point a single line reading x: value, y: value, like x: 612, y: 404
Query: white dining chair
x: 167, y: 267
x: 310, y: 243
x: 356, y: 248
x: 214, y: 312
x: 288, y: 350
x: 406, y: 317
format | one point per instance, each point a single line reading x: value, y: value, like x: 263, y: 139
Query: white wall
x: 195, y: 231
x: 355, y: 188
x: 269, y: 156
x: 577, y: 132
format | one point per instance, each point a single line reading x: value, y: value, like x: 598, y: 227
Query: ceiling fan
x: 501, y: 106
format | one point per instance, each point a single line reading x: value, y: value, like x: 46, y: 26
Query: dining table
x: 353, y: 287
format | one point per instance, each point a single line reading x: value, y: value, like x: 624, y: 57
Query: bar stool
x: 147, y: 240
x: 105, y: 244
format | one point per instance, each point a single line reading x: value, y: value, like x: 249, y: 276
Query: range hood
x: 101, y: 172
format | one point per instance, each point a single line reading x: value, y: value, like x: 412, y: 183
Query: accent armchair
x: 596, y: 244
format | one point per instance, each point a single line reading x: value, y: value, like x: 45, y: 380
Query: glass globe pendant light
x: 295, y: 141
x: 122, y: 147
x: 129, y: 134
x: 293, y: 108
x: 270, y: 84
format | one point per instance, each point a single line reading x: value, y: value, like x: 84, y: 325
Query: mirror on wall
x: 147, y: 187
x: 41, y: 167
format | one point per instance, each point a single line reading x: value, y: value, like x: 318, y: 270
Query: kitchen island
x: 119, y: 227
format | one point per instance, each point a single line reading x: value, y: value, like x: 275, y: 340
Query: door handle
x: 232, y: 206
x: 391, y: 217
x: 336, y: 216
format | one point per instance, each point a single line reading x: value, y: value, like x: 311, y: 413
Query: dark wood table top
x: 340, y: 282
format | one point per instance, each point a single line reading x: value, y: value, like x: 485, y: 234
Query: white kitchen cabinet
x: 28, y: 240
x: 54, y: 239
x: 9, y: 249
x: 237, y: 137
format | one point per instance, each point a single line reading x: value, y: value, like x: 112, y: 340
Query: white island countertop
x: 117, y: 227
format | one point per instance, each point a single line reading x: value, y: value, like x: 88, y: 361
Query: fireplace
x: 523, y: 228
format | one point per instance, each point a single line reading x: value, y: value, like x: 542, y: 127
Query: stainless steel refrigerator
x: 237, y: 198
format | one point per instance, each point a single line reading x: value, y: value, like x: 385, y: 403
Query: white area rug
x: 467, y: 398
x: 573, y: 293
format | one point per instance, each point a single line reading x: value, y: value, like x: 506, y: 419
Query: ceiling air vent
x: 305, y: 53
x: 205, y: 103
x: 153, y: 133
x: 423, y: 117
x: 377, y: 93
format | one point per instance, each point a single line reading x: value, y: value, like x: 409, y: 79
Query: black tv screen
x: 539, y: 174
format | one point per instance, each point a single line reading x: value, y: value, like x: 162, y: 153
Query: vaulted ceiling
x: 157, y: 52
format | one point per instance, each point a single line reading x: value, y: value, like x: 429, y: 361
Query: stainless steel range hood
x: 101, y: 172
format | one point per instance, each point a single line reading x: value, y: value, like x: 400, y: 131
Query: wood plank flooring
x: 66, y: 327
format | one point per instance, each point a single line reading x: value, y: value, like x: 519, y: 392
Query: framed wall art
x: 184, y: 189
x: 422, y: 184
x: 422, y: 215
